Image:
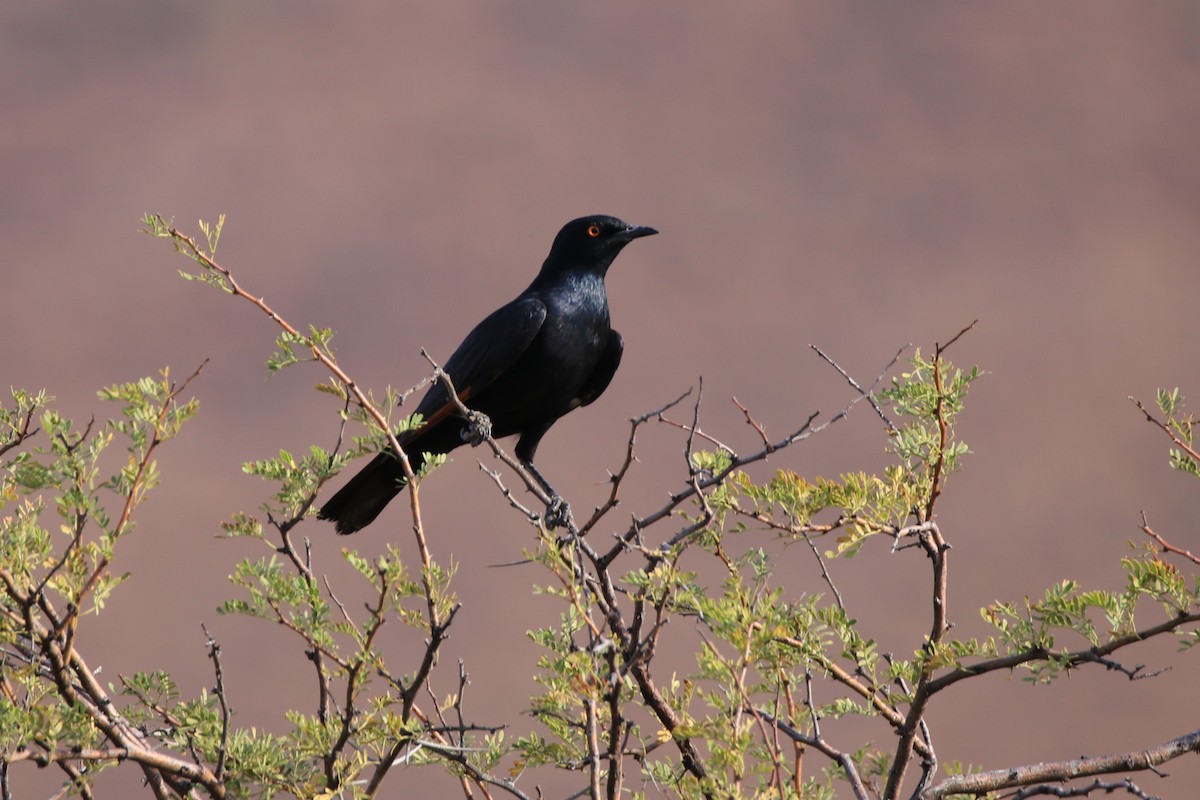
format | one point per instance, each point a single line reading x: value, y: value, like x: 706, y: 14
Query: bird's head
x: 593, y: 242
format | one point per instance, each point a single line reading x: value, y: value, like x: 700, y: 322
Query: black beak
x: 636, y: 232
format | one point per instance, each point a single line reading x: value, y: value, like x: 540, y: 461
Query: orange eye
x: 593, y: 231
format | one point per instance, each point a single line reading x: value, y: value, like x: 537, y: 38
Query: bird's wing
x: 488, y: 351
x: 606, y: 367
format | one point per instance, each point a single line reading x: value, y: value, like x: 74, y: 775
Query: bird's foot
x: 558, y: 514
x: 478, y: 429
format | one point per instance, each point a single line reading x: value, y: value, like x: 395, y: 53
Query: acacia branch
x: 1166, y: 546
x: 981, y: 783
x: 22, y: 431
x: 1070, y: 659
x: 616, y: 478
x: 819, y: 744
x: 1165, y: 428
x: 868, y: 393
x: 187, y: 245
x: 937, y: 549
x: 437, y: 620
x: 696, y: 486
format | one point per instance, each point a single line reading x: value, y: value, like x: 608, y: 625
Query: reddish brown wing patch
x: 447, y: 410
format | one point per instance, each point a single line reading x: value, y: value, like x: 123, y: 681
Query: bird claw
x: 478, y: 429
x: 558, y: 514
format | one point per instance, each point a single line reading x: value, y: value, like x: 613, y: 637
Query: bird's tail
x: 360, y: 501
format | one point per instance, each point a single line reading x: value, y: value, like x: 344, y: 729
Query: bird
x: 547, y: 352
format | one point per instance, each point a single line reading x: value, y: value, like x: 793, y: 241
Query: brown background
x: 856, y: 176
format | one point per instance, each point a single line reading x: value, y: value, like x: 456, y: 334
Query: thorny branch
x: 1166, y: 546
x: 1165, y: 428
x: 1126, y: 786
x: 1069, y: 659
x: 981, y: 783
x: 868, y: 393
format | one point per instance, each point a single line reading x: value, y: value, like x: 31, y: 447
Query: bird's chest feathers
x: 577, y: 324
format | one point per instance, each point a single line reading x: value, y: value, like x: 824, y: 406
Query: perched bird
x: 548, y: 352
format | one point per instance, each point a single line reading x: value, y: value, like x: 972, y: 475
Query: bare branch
x: 815, y: 741
x: 753, y: 423
x: 619, y: 476
x: 941, y: 348
x: 981, y: 783
x: 869, y: 392
x: 1153, y: 420
x: 214, y: 652
x: 1166, y: 546
x: 1108, y: 787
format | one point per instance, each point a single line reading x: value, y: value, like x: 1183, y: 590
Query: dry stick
x: 981, y: 783
x: 408, y: 695
x: 516, y: 504
x: 700, y: 433
x: 446, y: 734
x: 922, y: 695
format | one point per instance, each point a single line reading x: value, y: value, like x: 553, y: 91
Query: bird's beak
x: 637, y: 231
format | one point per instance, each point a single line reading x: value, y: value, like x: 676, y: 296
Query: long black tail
x: 360, y: 501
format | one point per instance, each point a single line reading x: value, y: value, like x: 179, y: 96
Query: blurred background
x: 857, y: 176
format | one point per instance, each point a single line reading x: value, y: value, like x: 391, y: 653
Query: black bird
x: 548, y: 352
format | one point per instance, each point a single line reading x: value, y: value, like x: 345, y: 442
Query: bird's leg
x: 478, y: 428
x: 558, y: 510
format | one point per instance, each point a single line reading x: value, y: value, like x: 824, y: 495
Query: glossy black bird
x: 548, y: 352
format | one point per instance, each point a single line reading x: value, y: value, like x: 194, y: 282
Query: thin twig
x: 1166, y: 546
x: 868, y: 393
x: 214, y: 653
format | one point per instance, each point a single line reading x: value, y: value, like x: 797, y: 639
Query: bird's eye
x: 593, y: 231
